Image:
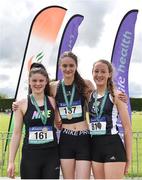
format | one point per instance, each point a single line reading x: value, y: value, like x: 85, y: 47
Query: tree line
x: 6, y: 104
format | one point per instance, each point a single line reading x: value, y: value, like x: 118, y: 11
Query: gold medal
x: 44, y: 129
x: 69, y: 116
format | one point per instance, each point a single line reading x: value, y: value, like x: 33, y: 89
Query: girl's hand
x: 127, y: 168
x: 123, y: 97
x: 59, y: 124
x: 11, y: 170
x: 15, y: 106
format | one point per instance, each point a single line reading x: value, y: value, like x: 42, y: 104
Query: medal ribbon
x: 43, y: 117
x: 99, y: 114
x: 68, y: 103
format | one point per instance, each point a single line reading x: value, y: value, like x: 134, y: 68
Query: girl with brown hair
x: 110, y: 157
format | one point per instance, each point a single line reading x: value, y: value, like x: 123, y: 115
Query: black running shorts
x: 107, y: 148
x: 75, y: 145
x: 40, y: 163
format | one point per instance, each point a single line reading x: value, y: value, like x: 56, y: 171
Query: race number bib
x: 76, y: 111
x: 97, y: 128
x: 40, y: 135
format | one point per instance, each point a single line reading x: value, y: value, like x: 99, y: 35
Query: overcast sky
x: 95, y: 40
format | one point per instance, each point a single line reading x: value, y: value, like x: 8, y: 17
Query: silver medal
x: 44, y: 129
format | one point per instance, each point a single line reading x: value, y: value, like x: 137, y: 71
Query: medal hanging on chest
x: 68, y: 103
x: 69, y: 115
x: 99, y: 111
x: 44, y: 129
x: 43, y: 116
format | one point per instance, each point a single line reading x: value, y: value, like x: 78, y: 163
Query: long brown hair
x: 79, y: 81
x: 110, y: 84
x: 40, y: 70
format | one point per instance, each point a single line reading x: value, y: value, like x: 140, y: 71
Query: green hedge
x: 136, y: 104
x: 5, y: 104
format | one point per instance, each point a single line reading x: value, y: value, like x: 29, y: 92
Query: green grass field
x: 4, y: 122
x: 136, y: 122
x: 136, y: 168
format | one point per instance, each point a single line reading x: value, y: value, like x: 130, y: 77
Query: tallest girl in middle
x: 71, y: 93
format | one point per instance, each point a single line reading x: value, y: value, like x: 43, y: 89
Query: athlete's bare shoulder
x: 89, y: 89
x: 53, y: 88
x: 21, y: 105
x: 52, y: 101
x: 90, y: 85
x: 21, y: 101
x: 54, y: 83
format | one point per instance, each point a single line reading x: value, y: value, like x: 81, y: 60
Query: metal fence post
x: 135, y: 171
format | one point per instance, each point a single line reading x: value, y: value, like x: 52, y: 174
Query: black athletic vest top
x: 32, y: 119
x: 77, y: 106
x: 109, y: 115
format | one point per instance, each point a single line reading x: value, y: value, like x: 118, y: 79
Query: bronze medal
x: 44, y: 129
x: 69, y: 116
